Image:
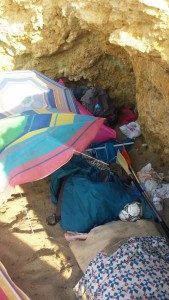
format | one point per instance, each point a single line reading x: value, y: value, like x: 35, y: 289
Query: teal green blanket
x: 91, y: 197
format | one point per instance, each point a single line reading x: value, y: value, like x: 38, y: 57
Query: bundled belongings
x: 97, y: 102
x: 105, y: 133
x: 157, y: 189
x: 90, y: 196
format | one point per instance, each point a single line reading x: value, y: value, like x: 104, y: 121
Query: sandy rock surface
x: 119, y: 45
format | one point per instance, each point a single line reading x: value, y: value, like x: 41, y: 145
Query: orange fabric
x: 126, y: 156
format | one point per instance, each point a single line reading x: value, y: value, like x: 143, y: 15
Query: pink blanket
x: 105, y: 133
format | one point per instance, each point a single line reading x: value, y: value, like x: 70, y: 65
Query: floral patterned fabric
x: 138, y: 270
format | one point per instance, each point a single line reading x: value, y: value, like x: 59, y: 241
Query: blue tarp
x: 107, y: 151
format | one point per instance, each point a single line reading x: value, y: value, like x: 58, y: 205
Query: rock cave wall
x: 119, y: 45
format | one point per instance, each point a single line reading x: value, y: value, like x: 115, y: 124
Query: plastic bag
x: 131, y: 130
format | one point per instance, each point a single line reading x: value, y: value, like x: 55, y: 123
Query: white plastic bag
x: 131, y: 130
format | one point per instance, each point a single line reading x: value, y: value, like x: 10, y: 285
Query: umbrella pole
x: 127, y: 167
x: 26, y: 212
x: 148, y: 200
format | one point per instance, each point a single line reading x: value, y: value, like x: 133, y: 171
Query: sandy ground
x: 37, y: 256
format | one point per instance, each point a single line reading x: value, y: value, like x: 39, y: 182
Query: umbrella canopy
x: 24, y: 90
x: 35, y: 143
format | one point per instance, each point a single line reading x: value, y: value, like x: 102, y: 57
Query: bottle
x: 97, y: 109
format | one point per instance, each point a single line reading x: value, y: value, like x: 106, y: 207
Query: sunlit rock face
x: 119, y: 45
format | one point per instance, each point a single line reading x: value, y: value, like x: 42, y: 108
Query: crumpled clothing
x: 154, y: 186
x: 97, y: 101
x: 131, y: 130
x: 94, y: 99
x: 79, y: 91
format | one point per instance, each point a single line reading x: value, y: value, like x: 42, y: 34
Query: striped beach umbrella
x: 24, y: 90
x: 35, y: 143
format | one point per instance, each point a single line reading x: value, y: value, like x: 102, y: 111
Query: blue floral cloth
x: 138, y: 270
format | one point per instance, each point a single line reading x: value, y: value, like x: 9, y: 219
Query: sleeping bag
x: 90, y: 196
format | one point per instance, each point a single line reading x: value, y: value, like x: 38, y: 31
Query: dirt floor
x: 37, y: 256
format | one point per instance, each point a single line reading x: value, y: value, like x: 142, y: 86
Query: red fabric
x: 127, y: 116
